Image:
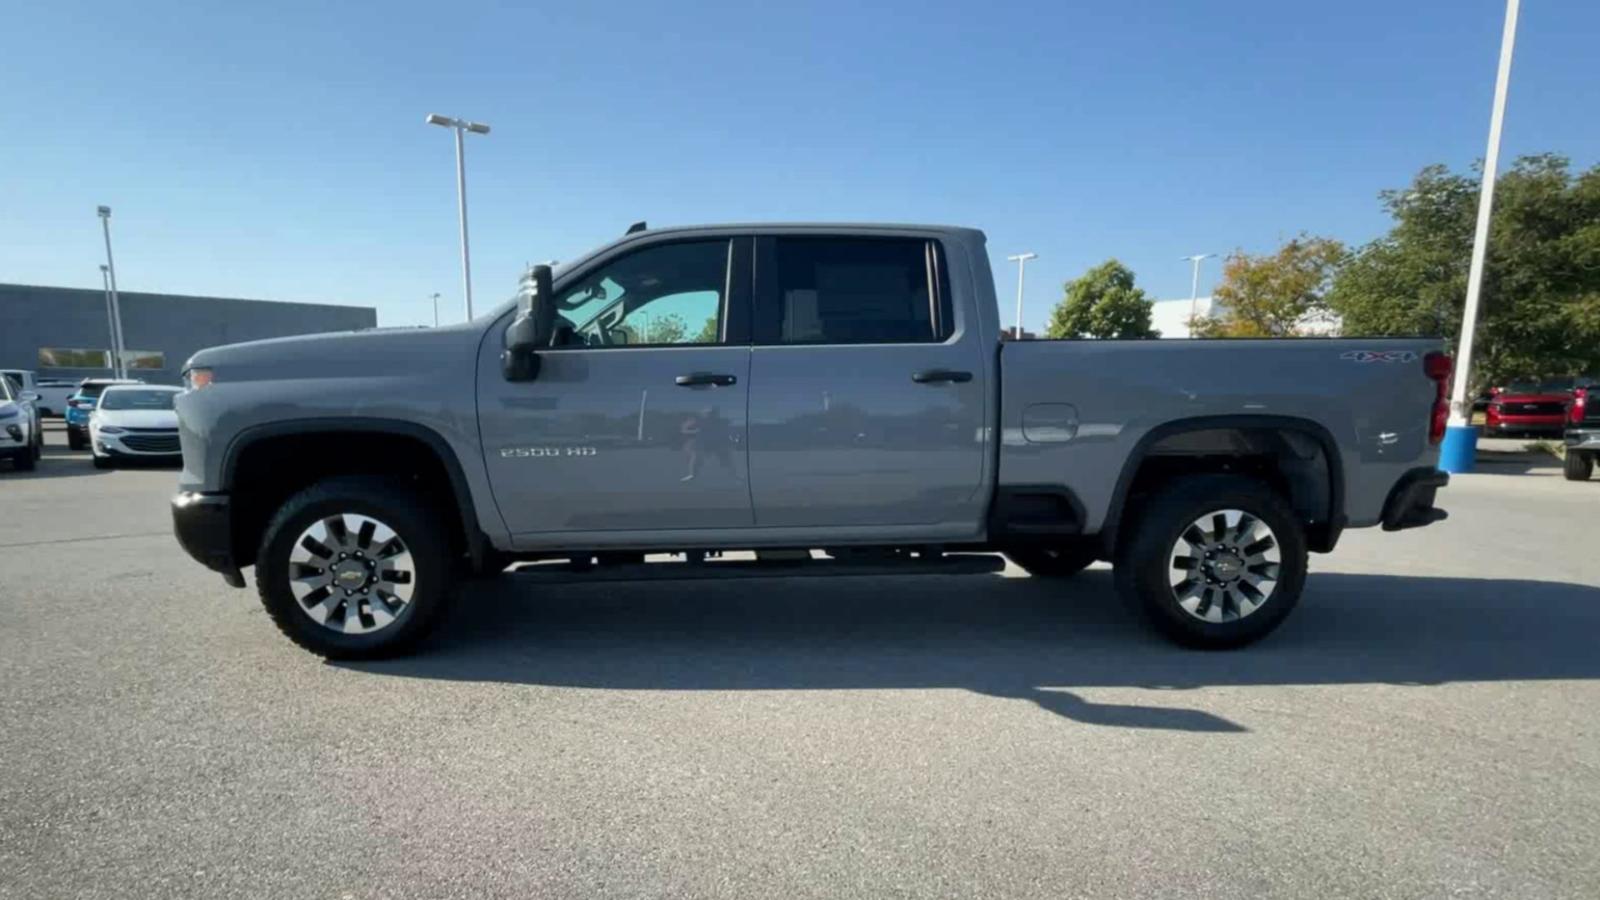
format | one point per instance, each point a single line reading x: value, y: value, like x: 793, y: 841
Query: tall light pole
x: 462, y: 126
x: 436, y: 309
x: 111, y: 316
x: 1194, y: 284
x: 119, y: 362
x: 1021, y: 259
x: 1461, y: 439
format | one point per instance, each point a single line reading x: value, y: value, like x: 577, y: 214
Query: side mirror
x: 530, y: 330
x: 29, y: 396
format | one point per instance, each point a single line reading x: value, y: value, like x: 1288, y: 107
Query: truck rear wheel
x: 1578, y: 466
x: 1057, y: 561
x: 76, y: 439
x: 354, y: 568
x: 1214, y: 561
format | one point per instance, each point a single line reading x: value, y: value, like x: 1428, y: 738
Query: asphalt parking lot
x: 1426, y: 724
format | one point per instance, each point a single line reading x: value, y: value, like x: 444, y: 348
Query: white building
x: 1171, y: 318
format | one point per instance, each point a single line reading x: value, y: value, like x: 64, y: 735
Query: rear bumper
x: 1410, y: 503
x: 1583, y: 438
x: 203, y: 524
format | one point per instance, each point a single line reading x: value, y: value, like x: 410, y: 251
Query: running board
x: 957, y: 564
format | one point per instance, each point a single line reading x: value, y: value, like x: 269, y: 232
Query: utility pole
x: 1461, y: 439
x: 1194, y: 285
x: 1021, y: 259
x: 461, y: 127
x: 119, y: 362
x: 436, y: 309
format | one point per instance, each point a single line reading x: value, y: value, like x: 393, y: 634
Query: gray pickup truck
x: 832, y: 397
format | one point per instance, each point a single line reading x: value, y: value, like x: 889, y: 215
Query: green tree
x: 1102, y: 303
x: 1272, y: 295
x: 1540, y: 312
x: 708, y: 332
x: 667, y: 329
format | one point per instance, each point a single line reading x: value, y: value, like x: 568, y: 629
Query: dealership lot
x: 1427, y: 724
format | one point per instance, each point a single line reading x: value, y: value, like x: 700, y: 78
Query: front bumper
x: 1582, y: 438
x: 119, y: 446
x: 1541, y: 422
x: 204, y: 526
x: 1410, y: 503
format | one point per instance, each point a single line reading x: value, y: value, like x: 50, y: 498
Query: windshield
x: 138, y: 399
x: 1541, y: 386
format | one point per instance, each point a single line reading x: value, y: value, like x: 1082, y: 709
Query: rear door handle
x: 696, y: 379
x: 934, y: 376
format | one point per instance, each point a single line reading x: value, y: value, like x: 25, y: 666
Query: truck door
x: 866, y: 395
x: 637, y: 419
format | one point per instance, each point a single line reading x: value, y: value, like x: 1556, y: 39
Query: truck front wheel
x: 354, y: 568
x: 1213, y: 561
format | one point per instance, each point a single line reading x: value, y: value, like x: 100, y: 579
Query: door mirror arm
x: 530, y: 330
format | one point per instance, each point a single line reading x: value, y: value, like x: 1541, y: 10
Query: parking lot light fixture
x: 111, y: 316
x: 1021, y: 259
x: 1459, y: 449
x: 1194, y: 284
x: 461, y: 127
x: 119, y: 363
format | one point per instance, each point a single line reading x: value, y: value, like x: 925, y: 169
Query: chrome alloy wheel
x: 1225, y: 566
x: 351, y: 573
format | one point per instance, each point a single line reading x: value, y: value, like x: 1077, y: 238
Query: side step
x: 949, y: 564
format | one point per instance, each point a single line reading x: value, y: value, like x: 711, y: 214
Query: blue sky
x: 277, y: 150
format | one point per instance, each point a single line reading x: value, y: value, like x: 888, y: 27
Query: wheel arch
x: 1322, y: 535
x: 295, y: 432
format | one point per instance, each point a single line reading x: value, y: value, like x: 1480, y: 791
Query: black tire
x: 1058, y: 561
x: 1144, y: 563
x: 1578, y: 466
x: 401, y: 509
x: 102, y: 462
x: 76, y: 439
x: 25, y: 461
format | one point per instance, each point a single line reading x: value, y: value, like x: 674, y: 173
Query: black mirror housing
x: 529, y: 332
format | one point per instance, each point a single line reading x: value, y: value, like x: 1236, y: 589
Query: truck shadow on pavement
x: 1018, y: 638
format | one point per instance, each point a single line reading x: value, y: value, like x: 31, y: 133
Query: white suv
x: 21, y: 439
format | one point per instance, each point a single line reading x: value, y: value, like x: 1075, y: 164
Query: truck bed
x: 1074, y: 411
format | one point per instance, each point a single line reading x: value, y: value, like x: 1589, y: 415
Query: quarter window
x: 663, y: 295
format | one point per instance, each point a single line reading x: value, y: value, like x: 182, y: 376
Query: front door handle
x: 696, y: 379
x: 935, y: 376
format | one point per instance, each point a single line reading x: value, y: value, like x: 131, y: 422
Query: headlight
x: 111, y: 429
x: 195, y: 379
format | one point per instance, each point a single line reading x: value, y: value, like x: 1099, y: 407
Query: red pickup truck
x: 1532, y: 406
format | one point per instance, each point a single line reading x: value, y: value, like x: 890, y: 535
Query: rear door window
x: 851, y: 290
